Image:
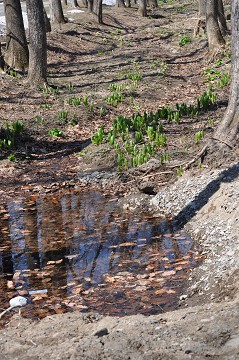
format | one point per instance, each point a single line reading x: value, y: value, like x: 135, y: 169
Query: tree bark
x: 16, y: 55
x: 119, y: 3
x: 37, y: 72
x: 201, y: 22
x: 90, y: 6
x: 214, y: 35
x: 142, y: 8
x: 56, y: 12
x: 222, y: 18
x: 97, y: 10
x: 128, y: 3
x: 152, y: 3
x: 75, y: 3
x: 46, y: 21
x: 227, y: 131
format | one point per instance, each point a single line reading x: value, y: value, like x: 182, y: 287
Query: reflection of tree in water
x: 77, y: 239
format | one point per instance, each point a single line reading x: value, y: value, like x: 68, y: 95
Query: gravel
x: 207, y: 206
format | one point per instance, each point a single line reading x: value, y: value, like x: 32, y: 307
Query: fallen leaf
x: 168, y: 273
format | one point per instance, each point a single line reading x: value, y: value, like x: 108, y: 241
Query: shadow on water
x: 88, y: 254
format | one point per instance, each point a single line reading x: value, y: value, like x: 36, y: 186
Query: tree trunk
x: 222, y: 18
x: 85, y: 3
x: 152, y: 3
x: 65, y: 2
x: 228, y: 129
x: 90, y: 6
x: 75, y: 3
x: 142, y: 8
x: 120, y: 3
x: 56, y: 12
x: 97, y: 10
x: 214, y: 35
x: 201, y: 22
x: 128, y: 3
x: 37, y: 72
x: 16, y: 55
x: 46, y: 21
x: 2, y: 63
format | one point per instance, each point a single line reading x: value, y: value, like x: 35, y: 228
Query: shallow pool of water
x: 81, y: 251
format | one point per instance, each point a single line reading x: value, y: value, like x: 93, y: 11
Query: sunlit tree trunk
x: 75, y: 3
x: 90, y: 6
x: 228, y: 129
x: 46, y: 21
x: 56, y: 12
x: 152, y: 3
x: 37, y: 72
x: 222, y: 18
x: 214, y: 35
x: 97, y: 10
x: 119, y: 3
x: 142, y: 8
x: 16, y: 55
x: 201, y: 22
x: 127, y: 3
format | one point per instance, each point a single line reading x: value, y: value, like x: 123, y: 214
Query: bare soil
x: 84, y: 59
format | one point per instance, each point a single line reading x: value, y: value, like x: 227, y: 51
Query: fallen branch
x: 186, y: 165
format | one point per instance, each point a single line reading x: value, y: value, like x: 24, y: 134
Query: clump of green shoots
x: 10, y: 133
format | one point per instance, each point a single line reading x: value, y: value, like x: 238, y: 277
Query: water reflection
x: 91, y: 255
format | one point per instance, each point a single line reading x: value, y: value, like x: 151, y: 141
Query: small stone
x: 183, y: 297
x: 101, y: 332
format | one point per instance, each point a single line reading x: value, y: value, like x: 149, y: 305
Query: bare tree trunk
x: 119, y: 3
x: 222, y: 18
x: 97, y: 10
x: 65, y: 2
x: 37, y: 72
x: 90, y: 6
x: 75, y: 3
x: 228, y: 129
x: 46, y: 21
x: 85, y: 3
x: 128, y: 3
x: 201, y: 22
x: 2, y: 62
x: 142, y: 8
x: 16, y: 55
x: 56, y: 12
x: 152, y: 3
x: 214, y: 35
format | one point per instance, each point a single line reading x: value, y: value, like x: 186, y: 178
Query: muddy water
x: 82, y: 252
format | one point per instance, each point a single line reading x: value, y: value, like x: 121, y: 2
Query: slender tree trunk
x: 201, y: 22
x: 2, y: 62
x: 228, y: 129
x: 214, y: 35
x: 85, y: 3
x: 128, y: 3
x: 119, y: 3
x: 142, y: 8
x: 152, y: 3
x: 97, y: 10
x: 222, y: 18
x: 46, y: 21
x: 16, y: 55
x: 56, y: 12
x: 65, y: 2
x: 75, y: 3
x: 37, y: 72
x: 90, y: 6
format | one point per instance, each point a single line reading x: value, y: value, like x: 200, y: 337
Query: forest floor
x: 145, y: 64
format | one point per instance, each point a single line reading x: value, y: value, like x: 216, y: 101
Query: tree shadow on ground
x: 190, y: 210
